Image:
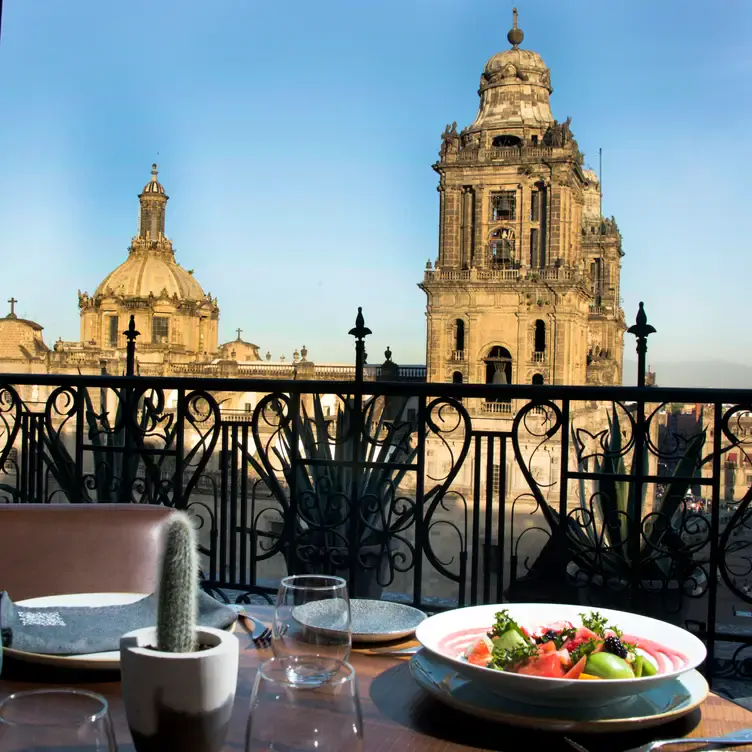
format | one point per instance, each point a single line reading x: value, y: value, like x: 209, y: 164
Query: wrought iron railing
x: 606, y: 496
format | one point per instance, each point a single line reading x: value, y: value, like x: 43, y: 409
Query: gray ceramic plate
x: 372, y: 621
x: 664, y: 703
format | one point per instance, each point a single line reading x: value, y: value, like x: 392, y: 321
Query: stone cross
x: 238, y: 331
x: 13, y: 302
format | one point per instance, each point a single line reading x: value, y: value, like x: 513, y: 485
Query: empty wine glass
x: 286, y: 715
x: 56, y: 719
x: 312, y: 623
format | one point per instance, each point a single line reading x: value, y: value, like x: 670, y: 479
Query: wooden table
x: 398, y: 714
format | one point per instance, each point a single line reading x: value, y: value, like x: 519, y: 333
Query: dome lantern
x: 153, y: 204
x: 514, y: 93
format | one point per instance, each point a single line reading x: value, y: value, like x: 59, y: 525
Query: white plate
x: 109, y: 661
x: 371, y: 620
x: 666, y: 702
x: 448, y: 634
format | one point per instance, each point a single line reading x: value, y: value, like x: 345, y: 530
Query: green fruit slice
x: 609, y: 666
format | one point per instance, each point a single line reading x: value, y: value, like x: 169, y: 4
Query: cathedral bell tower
x: 512, y: 297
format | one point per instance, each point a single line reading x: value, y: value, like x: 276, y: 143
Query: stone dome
x: 21, y: 339
x: 514, y: 93
x: 145, y: 272
x: 525, y: 61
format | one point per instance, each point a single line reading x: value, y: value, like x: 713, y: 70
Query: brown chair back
x: 55, y: 549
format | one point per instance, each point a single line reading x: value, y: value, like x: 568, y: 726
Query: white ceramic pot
x: 179, y: 702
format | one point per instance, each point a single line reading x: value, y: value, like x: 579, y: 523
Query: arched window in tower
x: 538, y: 379
x: 503, y: 247
x: 540, y: 336
x: 498, y: 370
x: 459, y: 335
x: 501, y: 142
x: 456, y: 377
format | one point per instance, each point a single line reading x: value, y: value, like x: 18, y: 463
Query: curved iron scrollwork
x: 623, y: 541
x: 202, y: 416
x: 10, y: 425
x: 446, y: 417
x: 735, y: 541
x: 342, y: 484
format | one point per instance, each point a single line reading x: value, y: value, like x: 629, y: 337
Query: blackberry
x: 614, y: 645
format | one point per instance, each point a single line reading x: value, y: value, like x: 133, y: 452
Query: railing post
x: 642, y: 330
x: 358, y: 428
x: 129, y: 410
x: 130, y: 358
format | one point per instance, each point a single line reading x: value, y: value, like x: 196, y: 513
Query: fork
x: 734, y: 738
x: 261, y: 635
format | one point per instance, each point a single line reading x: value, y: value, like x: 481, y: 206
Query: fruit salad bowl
x: 554, y: 654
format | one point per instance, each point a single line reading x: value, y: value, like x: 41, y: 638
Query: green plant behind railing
x: 351, y: 472
x: 116, y: 453
x: 611, y: 533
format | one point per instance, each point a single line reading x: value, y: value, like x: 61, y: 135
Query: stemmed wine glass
x: 288, y: 715
x: 58, y: 719
x: 312, y: 624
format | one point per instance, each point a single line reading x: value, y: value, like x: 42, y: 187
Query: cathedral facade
x: 177, y: 322
x: 525, y: 288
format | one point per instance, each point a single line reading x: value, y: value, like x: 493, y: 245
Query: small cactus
x: 178, y: 587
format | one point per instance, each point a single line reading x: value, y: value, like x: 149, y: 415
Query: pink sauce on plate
x: 667, y: 658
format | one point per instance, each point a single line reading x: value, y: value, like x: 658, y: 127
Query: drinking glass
x: 286, y: 715
x: 56, y: 719
x: 312, y: 623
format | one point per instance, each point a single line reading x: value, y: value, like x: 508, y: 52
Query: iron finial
x: 12, y: 314
x: 641, y: 329
x: 360, y: 330
x: 515, y: 35
x: 131, y: 333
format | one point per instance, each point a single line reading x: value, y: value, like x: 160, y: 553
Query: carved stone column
x: 451, y: 223
x: 467, y: 227
x: 523, y: 255
x: 479, y: 260
x: 441, y: 188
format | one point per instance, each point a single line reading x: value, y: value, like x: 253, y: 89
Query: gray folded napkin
x: 76, y: 630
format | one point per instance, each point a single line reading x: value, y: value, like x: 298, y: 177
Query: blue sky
x: 296, y: 141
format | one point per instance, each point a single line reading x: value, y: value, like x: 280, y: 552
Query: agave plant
x: 346, y: 479
x: 611, y: 533
x: 116, y: 457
